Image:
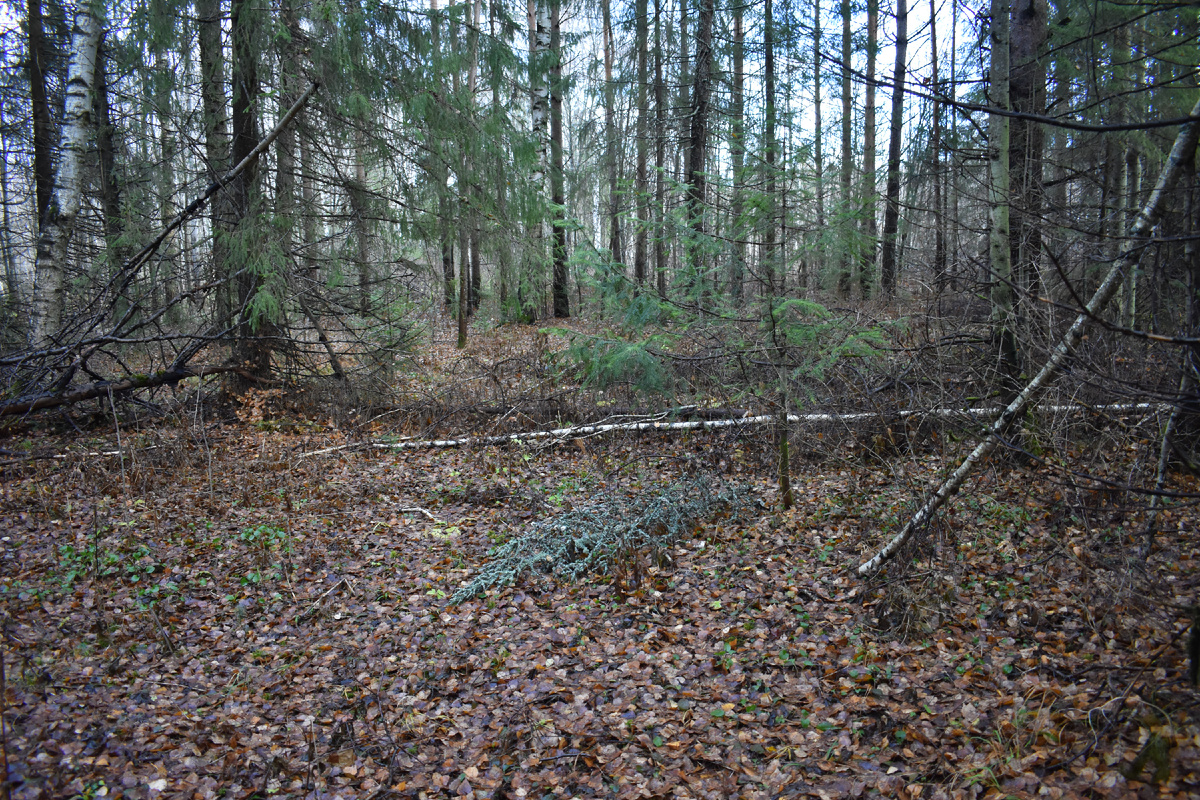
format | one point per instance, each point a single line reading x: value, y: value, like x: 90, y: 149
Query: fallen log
x: 659, y: 423
x: 96, y: 389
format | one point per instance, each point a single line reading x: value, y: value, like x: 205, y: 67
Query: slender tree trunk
x: 770, y: 266
x: 610, y: 142
x: 285, y: 143
x: 503, y: 252
x: 737, y: 150
x: 818, y: 132
x: 58, y: 224
x: 532, y: 299
x: 866, y: 273
x: 562, y: 297
x: 1027, y: 142
x: 43, y: 126
x: 473, y: 190
x: 641, y: 182
x: 165, y: 267
x: 935, y: 145
x: 464, y: 275
x: 683, y: 109
x: 1129, y: 293
x: 846, y: 221
x: 660, y: 145
x: 110, y: 185
x: 362, y: 224
x: 1182, y: 153
x: 216, y: 139
x: 698, y: 140
x: 12, y: 287
x: 999, y: 243
x: 438, y: 172
x: 891, y: 214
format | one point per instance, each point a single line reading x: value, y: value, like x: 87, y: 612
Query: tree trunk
x: 846, y: 221
x: 891, y: 212
x: 641, y: 26
x: 464, y: 277
x: 362, y: 225
x: 683, y: 107
x: 164, y: 269
x: 1183, y: 152
x: 770, y: 145
x: 610, y: 141
x: 216, y: 135
x: 110, y: 185
x: 12, y: 287
x: 1027, y: 92
x: 58, y: 223
x: 530, y: 291
x: 562, y: 297
x: 737, y: 150
x: 866, y: 272
x: 43, y: 126
x: 503, y: 252
x: 698, y: 139
x: 256, y: 328
x: 935, y: 146
x: 660, y: 145
x: 999, y: 244
x: 818, y: 132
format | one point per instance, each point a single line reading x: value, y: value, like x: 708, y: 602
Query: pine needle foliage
x: 588, y: 539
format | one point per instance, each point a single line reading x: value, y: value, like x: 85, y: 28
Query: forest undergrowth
x: 203, y: 605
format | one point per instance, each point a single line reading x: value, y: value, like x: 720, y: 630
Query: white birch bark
x: 59, y: 223
x: 539, y: 108
x: 657, y: 424
x: 1183, y: 150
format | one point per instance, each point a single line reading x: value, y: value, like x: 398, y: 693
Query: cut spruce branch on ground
x: 594, y: 536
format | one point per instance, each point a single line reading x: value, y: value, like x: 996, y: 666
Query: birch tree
x: 58, y: 224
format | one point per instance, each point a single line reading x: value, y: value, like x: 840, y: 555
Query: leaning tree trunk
x: 58, y: 225
x: 1182, y: 152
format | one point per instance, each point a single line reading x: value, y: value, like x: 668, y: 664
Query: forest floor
x: 204, y: 608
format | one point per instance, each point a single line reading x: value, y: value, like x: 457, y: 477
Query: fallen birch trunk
x: 658, y: 424
x: 1183, y: 149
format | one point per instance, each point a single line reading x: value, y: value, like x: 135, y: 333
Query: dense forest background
x: 970, y: 176
x: 418, y: 399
